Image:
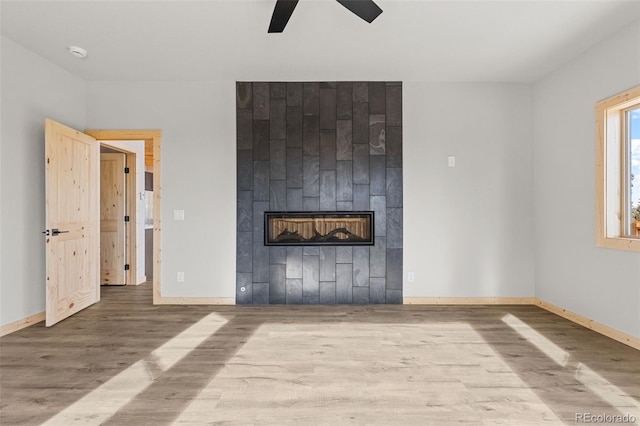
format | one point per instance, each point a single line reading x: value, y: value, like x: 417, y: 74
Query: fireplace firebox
x: 318, y: 228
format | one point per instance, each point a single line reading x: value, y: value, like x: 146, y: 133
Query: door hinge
x: 126, y: 170
x: 126, y: 267
x: 126, y: 218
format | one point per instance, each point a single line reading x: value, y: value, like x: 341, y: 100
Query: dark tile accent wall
x: 329, y: 146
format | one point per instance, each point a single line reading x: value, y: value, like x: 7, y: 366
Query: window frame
x: 611, y: 147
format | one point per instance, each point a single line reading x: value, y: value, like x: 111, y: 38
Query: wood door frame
x: 154, y: 138
x: 131, y: 240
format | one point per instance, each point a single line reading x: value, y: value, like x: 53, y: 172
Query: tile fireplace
x: 319, y: 192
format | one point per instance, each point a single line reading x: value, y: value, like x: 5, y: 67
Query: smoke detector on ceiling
x: 78, y: 52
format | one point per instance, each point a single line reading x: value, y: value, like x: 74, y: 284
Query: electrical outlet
x: 411, y: 277
x: 180, y: 277
x: 451, y: 161
x: 178, y: 215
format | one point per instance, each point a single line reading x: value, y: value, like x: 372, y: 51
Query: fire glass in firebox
x: 318, y: 228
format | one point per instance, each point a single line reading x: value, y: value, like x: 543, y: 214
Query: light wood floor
x: 126, y: 362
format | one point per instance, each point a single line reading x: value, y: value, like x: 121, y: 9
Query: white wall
x: 600, y: 284
x: 198, y: 173
x: 477, y: 204
x: 32, y: 89
x: 137, y: 147
x: 476, y: 240
x: 468, y: 229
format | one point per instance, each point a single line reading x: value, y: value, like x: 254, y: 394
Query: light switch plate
x: 178, y: 215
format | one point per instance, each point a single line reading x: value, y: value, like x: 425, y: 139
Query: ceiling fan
x: 365, y: 9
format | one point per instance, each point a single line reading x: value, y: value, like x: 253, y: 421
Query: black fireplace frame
x: 370, y: 215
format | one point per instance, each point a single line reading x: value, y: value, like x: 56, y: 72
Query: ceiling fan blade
x: 365, y: 9
x: 281, y: 14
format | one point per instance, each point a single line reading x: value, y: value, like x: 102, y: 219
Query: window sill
x: 620, y: 243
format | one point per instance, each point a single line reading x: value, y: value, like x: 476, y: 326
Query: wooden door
x: 72, y: 218
x: 112, y: 219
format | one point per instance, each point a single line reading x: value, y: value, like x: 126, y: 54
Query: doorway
x: 72, y: 215
x: 152, y: 161
x: 121, y: 235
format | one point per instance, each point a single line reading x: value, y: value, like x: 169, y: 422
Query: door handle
x: 46, y: 232
x: 55, y: 232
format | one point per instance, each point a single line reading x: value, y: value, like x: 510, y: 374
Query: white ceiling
x: 451, y: 40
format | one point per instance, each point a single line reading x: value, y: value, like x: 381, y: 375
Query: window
x: 618, y: 171
x: 631, y: 174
